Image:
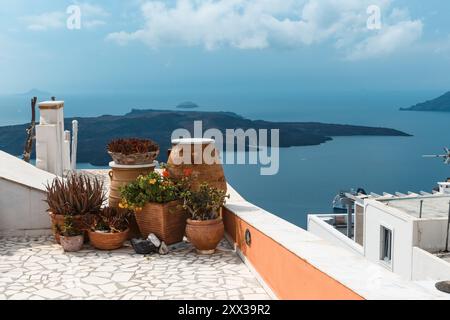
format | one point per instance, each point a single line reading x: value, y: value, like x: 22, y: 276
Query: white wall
x: 428, y: 267
x: 378, y: 215
x: 325, y: 231
x: 22, y: 210
x: 430, y: 235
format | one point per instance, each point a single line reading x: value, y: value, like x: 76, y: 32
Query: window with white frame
x: 386, y: 245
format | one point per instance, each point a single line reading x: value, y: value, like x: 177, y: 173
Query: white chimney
x: 444, y: 187
x: 51, y: 145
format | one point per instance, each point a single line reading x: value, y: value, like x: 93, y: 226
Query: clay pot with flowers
x: 205, y: 228
x: 108, y: 230
x: 155, y: 200
x: 76, y: 196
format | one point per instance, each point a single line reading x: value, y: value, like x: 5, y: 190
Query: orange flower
x: 166, y: 174
x: 187, y: 172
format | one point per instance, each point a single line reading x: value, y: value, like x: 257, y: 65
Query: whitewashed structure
x: 52, y: 142
x: 22, y: 194
x: 407, y: 234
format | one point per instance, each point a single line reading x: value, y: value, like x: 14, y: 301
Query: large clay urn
x: 201, y: 159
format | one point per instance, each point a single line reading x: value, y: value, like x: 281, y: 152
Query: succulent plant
x: 132, y: 146
x: 109, y: 219
x: 205, y: 203
x: 69, y: 229
x: 75, y: 195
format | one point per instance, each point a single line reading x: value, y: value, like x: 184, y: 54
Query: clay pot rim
x: 109, y: 233
x: 161, y: 203
x: 204, y: 222
x: 65, y: 237
x: 192, y: 141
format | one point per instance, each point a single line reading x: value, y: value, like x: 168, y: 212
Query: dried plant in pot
x: 155, y: 200
x: 71, y: 237
x: 76, y: 196
x: 133, y: 151
x: 108, y: 230
x: 205, y: 228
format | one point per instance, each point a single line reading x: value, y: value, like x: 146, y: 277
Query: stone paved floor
x: 37, y: 268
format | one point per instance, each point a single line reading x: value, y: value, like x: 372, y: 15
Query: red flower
x: 166, y: 174
x: 187, y: 172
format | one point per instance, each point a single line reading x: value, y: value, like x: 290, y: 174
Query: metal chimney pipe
x: 421, y: 208
x: 448, y: 228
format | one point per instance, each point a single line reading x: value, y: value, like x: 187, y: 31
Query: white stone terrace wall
x: 320, y: 228
x: 22, y: 191
x: 427, y: 266
x: 22, y: 210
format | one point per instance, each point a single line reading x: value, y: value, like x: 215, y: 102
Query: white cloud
x: 390, y: 39
x: 91, y: 16
x: 45, y: 21
x: 92, y: 10
x: 260, y: 24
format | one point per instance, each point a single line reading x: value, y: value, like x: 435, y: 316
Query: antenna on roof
x: 445, y: 156
x: 448, y: 228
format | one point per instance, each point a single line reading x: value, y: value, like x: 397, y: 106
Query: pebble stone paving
x: 38, y: 269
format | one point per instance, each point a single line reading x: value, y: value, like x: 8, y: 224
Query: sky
x: 255, y: 46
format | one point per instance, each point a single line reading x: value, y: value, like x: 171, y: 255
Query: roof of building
x: 423, y: 205
x: 435, y: 206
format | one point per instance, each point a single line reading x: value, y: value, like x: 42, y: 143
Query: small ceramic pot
x: 72, y: 244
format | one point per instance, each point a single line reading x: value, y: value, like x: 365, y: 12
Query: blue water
x: 309, y: 177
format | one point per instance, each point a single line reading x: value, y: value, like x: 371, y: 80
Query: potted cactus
x: 71, y: 237
x: 108, y: 230
x: 155, y: 200
x: 76, y: 196
x: 205, y: 228
x: 133, y: 151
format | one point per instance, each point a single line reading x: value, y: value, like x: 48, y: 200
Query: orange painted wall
x: 289, y: 277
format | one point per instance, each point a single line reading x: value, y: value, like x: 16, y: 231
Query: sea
x: 308, y: 177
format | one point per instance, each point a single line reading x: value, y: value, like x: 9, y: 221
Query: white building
x: 404, y: 233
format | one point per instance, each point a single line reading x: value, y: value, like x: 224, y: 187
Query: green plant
x: 75, y: 195
x: 205, y: 203
x: 132, y: 146
x: 69, y: 229
x: 109, y: 219
x: 153, y: 187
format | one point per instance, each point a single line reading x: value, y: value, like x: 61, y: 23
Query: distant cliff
x: 158, y: 125
x: 441, y: 103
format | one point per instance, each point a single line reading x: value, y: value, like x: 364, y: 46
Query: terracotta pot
x: 72, y: 244
x: 205, y: 235
x: 122, y: 175
x: 166, y: 220
x: 203, y: 162
x: 108, y: 241
x: 58, y: 220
